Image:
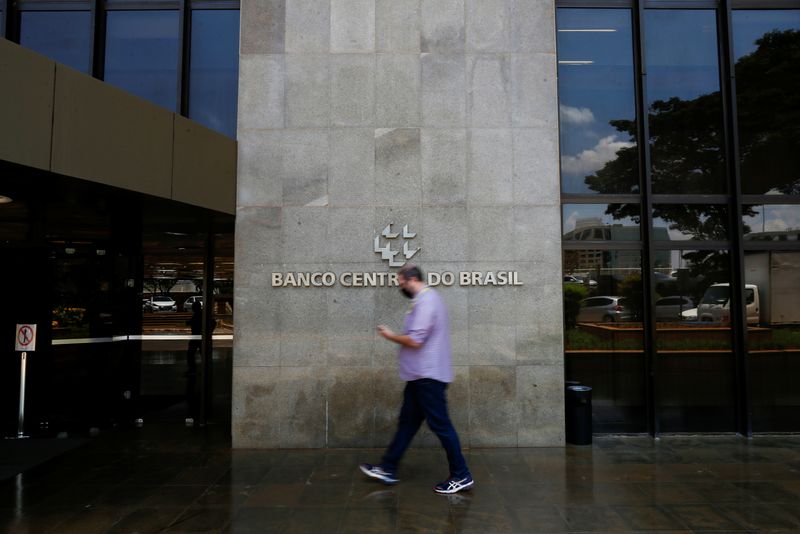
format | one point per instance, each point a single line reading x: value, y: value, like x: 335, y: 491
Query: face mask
x: 407, y: 293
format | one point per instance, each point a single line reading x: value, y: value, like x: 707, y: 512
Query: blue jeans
x: 424, y: 399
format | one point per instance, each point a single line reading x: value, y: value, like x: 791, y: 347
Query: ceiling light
x: 6, y: 200
x: 576, y: 62
x: 588, y: 30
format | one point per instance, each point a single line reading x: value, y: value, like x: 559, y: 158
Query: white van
x: 715, y: 306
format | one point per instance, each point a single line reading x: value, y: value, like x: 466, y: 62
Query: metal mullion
x: 690, y: 199
x: 681, y: 4
x: 728, y: 90
x: 767, y: 200
x: 604, y: 199
x: 601, y: 245
x: 692, y: 245
x: 780, y: 246
x: 648, y: 289
x: 11, y: 16
x: 184, y: 36
x: 98, y: 49
x: 593, y: 4
x: 765, y: 4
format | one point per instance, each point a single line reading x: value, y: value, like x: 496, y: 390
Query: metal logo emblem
x: 386, y: 251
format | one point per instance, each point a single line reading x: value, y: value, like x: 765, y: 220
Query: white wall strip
x: 145, y: 337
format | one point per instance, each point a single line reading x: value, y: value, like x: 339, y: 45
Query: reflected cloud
x: 573, y: 115
x: 591, y: 160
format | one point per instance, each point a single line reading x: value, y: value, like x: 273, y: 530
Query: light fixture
x: 6, y: 200
x: 588, y: 62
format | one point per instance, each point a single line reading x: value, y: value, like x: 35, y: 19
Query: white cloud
x: 593, y: 159
x: 571, y: 115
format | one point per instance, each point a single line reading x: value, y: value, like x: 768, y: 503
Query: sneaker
x: 376, y: 471
x: 454, y: 485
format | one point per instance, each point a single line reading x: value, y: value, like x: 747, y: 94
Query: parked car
x: 187, y: 304
x: 160, y: 303
x: 604, y: 309
x: 715, y: 306
x: 672, y: 308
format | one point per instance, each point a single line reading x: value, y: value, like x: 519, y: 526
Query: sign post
x: 25, y: 342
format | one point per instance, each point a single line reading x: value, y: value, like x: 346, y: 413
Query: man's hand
x: 402, y: 339
x: 385, y: 332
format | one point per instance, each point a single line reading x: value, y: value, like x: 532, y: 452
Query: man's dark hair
x: 412, y: 271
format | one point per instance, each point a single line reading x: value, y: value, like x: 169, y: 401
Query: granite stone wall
x: 439, y: 114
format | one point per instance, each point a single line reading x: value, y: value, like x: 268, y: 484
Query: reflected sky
x: 690, y: 221
x: 213, y: 78
x: 596, y: 85
x: 63, y: 36
x: 770, y: 219
x: 751, y: 25
x: 142, y: 54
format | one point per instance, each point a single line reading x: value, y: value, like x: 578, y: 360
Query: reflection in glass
x: 773, y: 337
x: 63, y: 36
x: 214, y: 69
x: 693, y: 341
x: 142, y: 54
x: 768, y: 102
x: 600, y: 222
x: 597, y: 112
x: 684, y: 222
x: 771, y: 222
x: 603, y: 334
x: 685, y: 107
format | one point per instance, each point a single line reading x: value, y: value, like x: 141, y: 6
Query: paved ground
x: 174, y: 479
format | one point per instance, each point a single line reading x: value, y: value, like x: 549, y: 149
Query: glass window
x: 597, y: 111
x: 63, y: 36
x: 603, y: 335
x: 768, y: 102
x: 771, y: 222
x: 772, y: 281
x: 214, y: 69
x: 695, y: 368
x: 697, y: 222
x: 684, y: 102
x: 601, y: 222
x: 142, y: 54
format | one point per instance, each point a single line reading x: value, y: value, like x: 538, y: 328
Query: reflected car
x: 689, y: 315
x: 672, y: 308
x: 187, y: 304
x: 604, y: 309
x: 160, y: 303
x: 575, y: 279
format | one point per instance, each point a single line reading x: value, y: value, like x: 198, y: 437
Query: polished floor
x: 175, y: 479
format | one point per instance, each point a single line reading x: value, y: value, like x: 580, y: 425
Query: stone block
x: 491, y: 234
x: 351, y: 233
x: 352, y: 167
x: 488, y: 25
x: 351, y: 322
x: 261, y: 96
x: 444, y: 90
x: 397, y: 166
x: 259, y: 170
x: 537, y: 230
x: 261, y: 346
x: 397, y: 25
x: 351, y: 416
x: 534, y: 91
x: 540, y: 391
x: 353, y: 89
x: 492, y: 324
x: 308, y: 91
x: 352, y: 25
x: 263, y: 26
x: 258, y: 236
x: 304, y: 166
x: 254, y: 398
x: 488, y: 91
x: 490, y: 169
x: 533, y: 26
x: 398, y: 89
x: 444, y: 167
x: 536, y: 172
x: 442, y: 26
x: 303, y: 310
x: 494, y: 411
x: 304, y: 235
x: 303, y: 393
x: 538, y: 345
x: 446, y: 233
x: 387, y: 400
x: 308, y: 26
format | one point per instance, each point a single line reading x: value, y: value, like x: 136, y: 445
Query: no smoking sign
x: 26, y: 337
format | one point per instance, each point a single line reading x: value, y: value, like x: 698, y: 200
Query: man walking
x: 424, y: 361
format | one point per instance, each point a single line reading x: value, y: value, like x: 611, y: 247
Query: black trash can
x: 579, y: 415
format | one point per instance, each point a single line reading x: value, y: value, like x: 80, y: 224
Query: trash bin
x: 579, y: 415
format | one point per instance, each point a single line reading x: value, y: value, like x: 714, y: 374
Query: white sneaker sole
x: 376, y: 476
